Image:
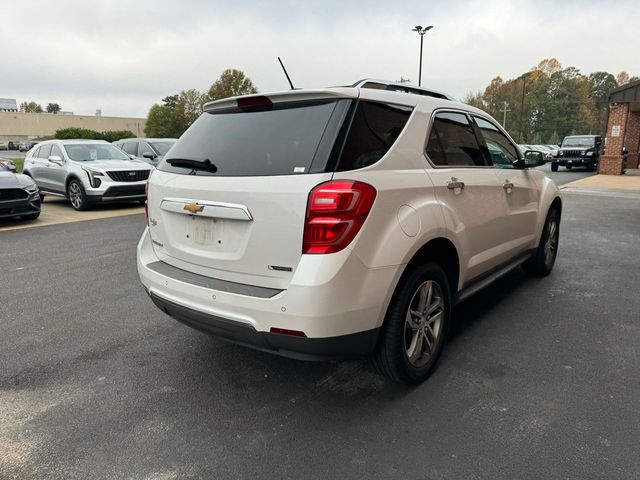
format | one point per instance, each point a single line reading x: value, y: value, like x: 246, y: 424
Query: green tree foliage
x: 161, y: 122
x: 554, y: 139
x: 550, y: 101
x: 30, y: 107
x: 53, y: 108
x: 231, y: 83
x: 73, y: 133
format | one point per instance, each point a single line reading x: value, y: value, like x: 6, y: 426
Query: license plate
x: 205, y: 231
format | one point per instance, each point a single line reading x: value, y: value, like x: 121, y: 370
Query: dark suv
x: 578, y: 151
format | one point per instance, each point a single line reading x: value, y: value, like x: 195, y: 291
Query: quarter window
x: 374, y: 129
x: 452, y: 142
x: 502, y: 152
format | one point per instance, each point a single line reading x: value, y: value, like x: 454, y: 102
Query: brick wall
x: 632, y: 139
x: 611, y: 163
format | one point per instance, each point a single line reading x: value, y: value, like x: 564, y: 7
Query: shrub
x: 84, y: 133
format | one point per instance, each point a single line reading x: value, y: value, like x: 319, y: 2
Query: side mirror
x: 533, y: 158
x: 149, y: 155
x: 55, y: 159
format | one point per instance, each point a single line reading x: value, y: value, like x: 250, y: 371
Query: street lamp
x: 421, y: 31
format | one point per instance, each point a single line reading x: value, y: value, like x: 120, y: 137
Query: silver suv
x: 86, y: 172
x: 150, y: 150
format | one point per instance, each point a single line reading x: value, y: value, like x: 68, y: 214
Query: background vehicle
x: 13, y: 145
x: 150, y: 150
x: 86, y: 172
x: 26, y: 146
x: 3, y: 146
x: 578, y: 151
x: 315, y: 224
x: 19, y: 196
x: 8, y: 165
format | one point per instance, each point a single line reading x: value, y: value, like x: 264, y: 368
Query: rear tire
x: 415, y: 326
x: 554, y: 167
x: 543, y: 260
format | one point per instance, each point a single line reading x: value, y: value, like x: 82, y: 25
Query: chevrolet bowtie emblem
x: 193, y: 208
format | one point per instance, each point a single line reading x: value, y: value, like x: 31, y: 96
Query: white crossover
x: 341, y: 222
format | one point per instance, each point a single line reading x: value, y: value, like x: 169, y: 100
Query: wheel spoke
x: 411, y: 320
x: 415, y: 348
x: 425, y: 296
x: 435, y: 305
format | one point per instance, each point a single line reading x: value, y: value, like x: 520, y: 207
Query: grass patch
x: 19, y: 163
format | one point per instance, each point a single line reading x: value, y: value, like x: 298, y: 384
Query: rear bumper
x: 329, y: 348
x: 338, y: 304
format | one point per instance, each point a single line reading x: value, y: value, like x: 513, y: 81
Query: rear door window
x: 374, y: 129
x: 286, y: 140
x: 452, y: 142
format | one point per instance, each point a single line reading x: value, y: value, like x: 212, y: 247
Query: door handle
x: 455, y: 184
x: 508, y: 186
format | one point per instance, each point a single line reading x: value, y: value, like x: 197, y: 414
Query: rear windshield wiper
x: 193, y: 164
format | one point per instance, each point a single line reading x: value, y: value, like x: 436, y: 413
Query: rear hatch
x: 229, y: 199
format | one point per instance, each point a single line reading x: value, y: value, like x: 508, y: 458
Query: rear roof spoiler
x: 231, y: 103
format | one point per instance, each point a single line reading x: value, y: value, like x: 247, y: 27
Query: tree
x: 30, y: 107
x: 623, y: 78
x: 188, y: 107
x: 554, y: 139
x: 231, y: 83
x: 171, y: 101
x: 161, y: 122
x: 53, y: 108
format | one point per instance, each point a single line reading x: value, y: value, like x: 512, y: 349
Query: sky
x: 122, y: 56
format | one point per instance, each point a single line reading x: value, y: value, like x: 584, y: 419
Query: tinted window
x: 45, y: 151
x: 282, y: 141
x: 374, y: 129
x: 162, y: 147
x: 502, y: 152
x: 131, y: 148
x: 452, y: 141
x: 55, y: 150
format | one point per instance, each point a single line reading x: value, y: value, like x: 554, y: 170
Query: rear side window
x: 374, y: 129
x: 286, y: 140
x: 453, y: 143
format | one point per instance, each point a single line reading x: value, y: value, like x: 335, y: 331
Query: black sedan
x: 19, y: 196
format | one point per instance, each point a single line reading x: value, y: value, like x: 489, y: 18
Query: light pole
x: 421, y: 31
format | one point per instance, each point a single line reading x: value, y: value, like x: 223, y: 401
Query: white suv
x: 341, y: 222
x: 86, y: 172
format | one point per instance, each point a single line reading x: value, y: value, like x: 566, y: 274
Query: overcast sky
x: 122, y: 56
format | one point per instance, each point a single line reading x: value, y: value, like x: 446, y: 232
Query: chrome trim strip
x: 207, y: 203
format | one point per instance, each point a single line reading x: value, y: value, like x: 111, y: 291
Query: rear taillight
x: 335, y: 213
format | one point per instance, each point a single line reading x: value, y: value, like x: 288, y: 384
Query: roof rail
x: 401, y: 87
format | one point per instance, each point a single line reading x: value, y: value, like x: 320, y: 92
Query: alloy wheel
x: 551, y: 246
x: 75, y: 195
x: 423, y: 323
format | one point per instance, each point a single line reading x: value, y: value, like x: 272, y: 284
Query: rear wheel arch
x: 442, y: 252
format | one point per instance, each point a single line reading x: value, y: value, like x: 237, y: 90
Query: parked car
x: 578, y: 151
x: 3, y: 146
x: 315, y: 224
x: 150, y: 150
x: 13, y: 145
x: 86, y: 172
x: 19, y: 196
x: 7, y: 165
x: 26, y: 146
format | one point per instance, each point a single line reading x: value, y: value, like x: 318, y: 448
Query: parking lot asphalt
x: 539, y: 378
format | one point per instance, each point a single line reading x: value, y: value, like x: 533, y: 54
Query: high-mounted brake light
x: 336, y: 211
x: 255, y: 104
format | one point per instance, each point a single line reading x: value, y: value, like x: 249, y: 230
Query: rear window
x: 287, y: 140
